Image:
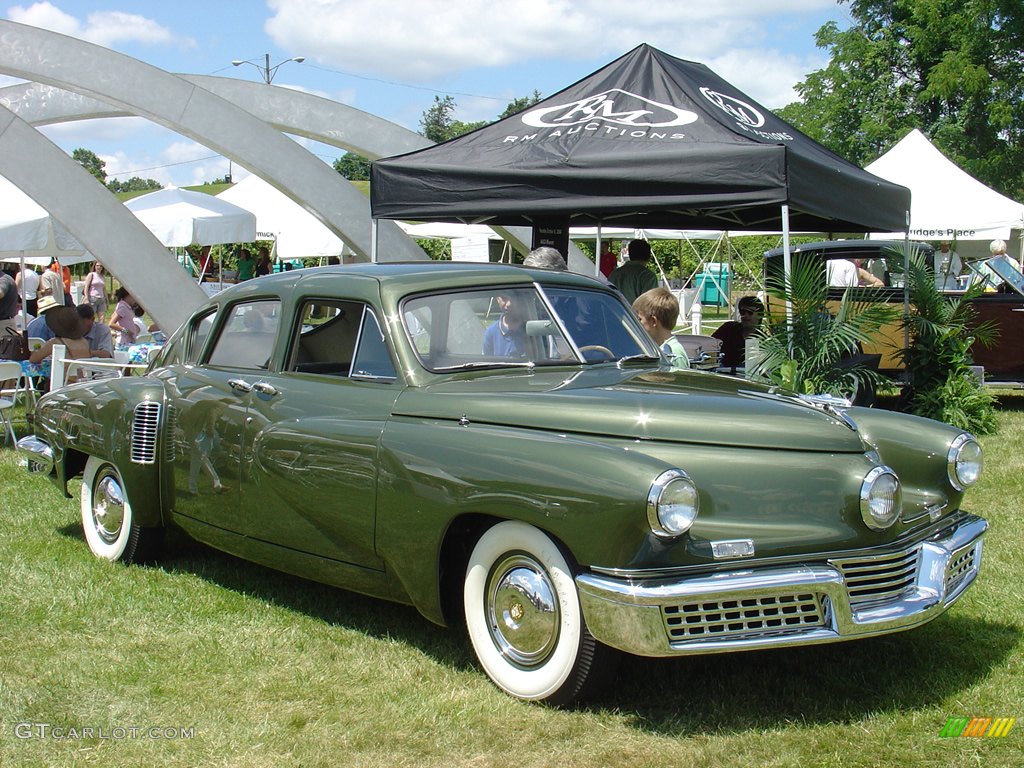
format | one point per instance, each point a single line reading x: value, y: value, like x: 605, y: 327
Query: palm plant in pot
x: 942, y: 328
x: 814, y: 350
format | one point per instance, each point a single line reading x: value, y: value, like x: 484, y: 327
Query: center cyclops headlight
x: 963, y: 461
x: 880, y: 498
x: 672, y: 503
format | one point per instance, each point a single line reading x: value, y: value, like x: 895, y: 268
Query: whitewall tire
x: 524, y: 619
x: 107, y: 519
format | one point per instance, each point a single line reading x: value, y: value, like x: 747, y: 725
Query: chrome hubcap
x: 522, y: 612
x: 108, y: 506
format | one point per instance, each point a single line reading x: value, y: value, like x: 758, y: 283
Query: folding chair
x: 9, y: 371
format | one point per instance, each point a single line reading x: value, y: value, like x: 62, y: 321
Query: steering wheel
x: 607, y: 353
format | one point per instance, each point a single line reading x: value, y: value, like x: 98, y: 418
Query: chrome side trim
x: 780, y: 606
x: 36, y: 455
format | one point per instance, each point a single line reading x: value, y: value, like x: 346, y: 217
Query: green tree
x: 438, y: 122
x: 951, y: 68
x: 91, y: 162
x: 353, y: 167
x: 134, y: 184
x: 518, y: 105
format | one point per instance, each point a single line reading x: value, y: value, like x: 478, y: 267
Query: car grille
x: 733, y: 619
x: 879, y: 578
x: 170, y: 433
x: 144, y: 432
x: 960, y: 567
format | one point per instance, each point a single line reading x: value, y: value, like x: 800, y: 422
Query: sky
x: 392, y: 57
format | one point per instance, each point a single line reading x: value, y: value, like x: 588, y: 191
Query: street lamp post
x: 267, y: 71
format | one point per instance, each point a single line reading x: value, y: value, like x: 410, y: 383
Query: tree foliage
x: 438, y: 122
x: 91, y: 162
x: 353, y: 167
x: 134, y: 184
x: 951, y: 68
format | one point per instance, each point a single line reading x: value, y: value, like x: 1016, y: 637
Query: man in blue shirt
x: 101, y: 344
x: 506, y: 336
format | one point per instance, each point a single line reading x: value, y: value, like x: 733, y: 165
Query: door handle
x: 240, y: 385
x: 264, y: 388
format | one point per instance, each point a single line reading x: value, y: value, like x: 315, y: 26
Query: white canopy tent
x: 29, y: 235
x: 947, y: 203
x: 180, y: 217
x: 295, y: 231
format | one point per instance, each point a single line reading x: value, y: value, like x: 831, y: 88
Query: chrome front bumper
x: 36, y: 455
x: 793, y: 605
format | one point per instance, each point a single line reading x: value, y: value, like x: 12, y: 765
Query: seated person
x: 68, y: 329
x: 101, y: 343
x: 658, y: 311
x: 506, y: 336
x: 734, y: 335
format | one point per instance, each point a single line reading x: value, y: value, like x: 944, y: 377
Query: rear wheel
x: 107, y: 519
x: 524, y: 619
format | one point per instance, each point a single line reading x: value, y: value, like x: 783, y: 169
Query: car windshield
x: 523, y: 327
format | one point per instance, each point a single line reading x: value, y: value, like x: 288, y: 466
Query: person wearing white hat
x: 39, y: 328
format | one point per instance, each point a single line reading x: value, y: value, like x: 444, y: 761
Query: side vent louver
x: 144, y: 432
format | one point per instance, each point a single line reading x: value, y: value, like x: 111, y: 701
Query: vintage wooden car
x: 564, y: 494
x: 1002, y: 307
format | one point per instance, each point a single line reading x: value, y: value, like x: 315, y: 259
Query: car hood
x: 683, y: 407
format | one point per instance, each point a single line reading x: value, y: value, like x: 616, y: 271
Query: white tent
x: 946, y: 202
x: 179, y: 217
x: 27, y: 228
x: 296, y: 232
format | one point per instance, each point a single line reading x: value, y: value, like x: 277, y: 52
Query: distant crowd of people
x: 42, y: 304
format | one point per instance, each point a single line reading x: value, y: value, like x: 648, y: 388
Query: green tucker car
x: 506, y: 448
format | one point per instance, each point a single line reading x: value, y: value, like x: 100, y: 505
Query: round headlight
x: 672, y: 503
x: 880, y: 498
x: 963, y: 461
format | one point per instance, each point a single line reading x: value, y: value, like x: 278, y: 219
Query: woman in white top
x: 28, y: 286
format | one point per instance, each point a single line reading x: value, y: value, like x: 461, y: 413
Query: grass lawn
x: 235, y: 665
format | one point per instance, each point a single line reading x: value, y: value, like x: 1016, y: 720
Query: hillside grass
x: 255, y: 668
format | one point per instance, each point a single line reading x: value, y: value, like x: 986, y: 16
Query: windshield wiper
x: 484, y: 364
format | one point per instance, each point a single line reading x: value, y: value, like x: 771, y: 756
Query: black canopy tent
x: 649, y: 141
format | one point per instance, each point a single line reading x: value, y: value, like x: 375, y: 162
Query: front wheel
x: 107, y: 520
x: 524, y: 619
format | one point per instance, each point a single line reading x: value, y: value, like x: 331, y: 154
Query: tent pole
x: 787, y: 266
x: 24, y: 301
x: 373, y: 241
x: 906, y: 286
x: 597, y: 253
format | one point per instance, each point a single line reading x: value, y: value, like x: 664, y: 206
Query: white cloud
x: 106, y: 28
x: 770, y: 80
x: 417, y: 40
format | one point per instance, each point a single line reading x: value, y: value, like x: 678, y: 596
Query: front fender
x: 104, y: 419
x: 589, y: 495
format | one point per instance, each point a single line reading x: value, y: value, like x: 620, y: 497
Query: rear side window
x: 247, y: 336
x: 340, y: 338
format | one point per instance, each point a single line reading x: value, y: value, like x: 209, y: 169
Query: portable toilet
x: 713, y: 284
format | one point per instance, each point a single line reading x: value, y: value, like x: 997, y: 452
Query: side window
x: 247, y: 336
x: 372, y: 358
x: 326, y: 335
x: 199, y: 333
